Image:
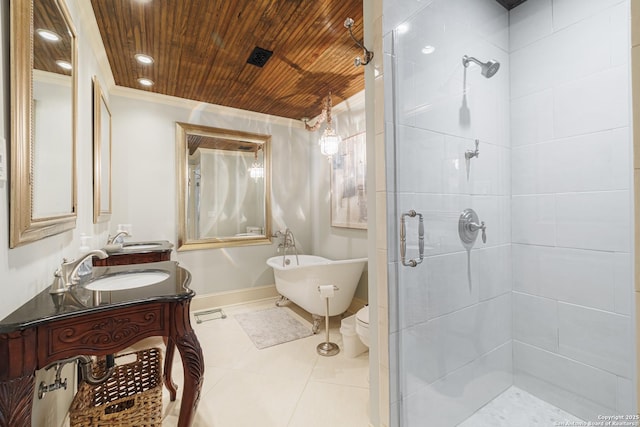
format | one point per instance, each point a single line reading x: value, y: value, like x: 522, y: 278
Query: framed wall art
x: 348, y: 184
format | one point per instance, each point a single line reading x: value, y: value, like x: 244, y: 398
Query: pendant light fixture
x: 329, y: 141
x: 256, y: 171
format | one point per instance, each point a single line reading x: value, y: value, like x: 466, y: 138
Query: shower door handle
x: 403, y: 239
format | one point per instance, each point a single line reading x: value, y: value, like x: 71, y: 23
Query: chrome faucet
x: 118, y: 237
x: 470, y: 154
x: 68, y: 271
x: 288, y: 242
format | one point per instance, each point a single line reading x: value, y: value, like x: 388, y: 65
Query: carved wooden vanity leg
x: 192, y: 361
x: 16, y: 399
x: 17, y: 377
x: 170, y: 346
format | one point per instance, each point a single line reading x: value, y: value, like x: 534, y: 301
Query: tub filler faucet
x: 288, y: 242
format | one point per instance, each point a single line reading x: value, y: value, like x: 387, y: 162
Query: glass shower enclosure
x: 512, y: 208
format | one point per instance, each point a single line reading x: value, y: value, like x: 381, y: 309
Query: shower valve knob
x: 468, y: 227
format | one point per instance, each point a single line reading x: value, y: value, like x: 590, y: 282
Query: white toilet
x: 362, y: 324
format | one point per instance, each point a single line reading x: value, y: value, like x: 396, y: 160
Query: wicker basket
x: 131, y: 396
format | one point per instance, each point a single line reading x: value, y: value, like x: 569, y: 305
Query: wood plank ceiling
x: 200, y: 50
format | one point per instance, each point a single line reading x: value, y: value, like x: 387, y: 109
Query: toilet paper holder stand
x: 327, y: 348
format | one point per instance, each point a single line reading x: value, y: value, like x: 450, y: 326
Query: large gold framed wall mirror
x: 43, y: 74
x: 224, y: 187
x: 101, y: 155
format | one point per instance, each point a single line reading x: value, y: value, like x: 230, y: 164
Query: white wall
x: 144, y: 186
x: 454, y: 317
x: 572, y: 204
x: 144, y: 193
x: 328, y: 241
x: 27, y: 270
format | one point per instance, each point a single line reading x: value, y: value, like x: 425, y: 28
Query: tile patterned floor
x: 287, y: 385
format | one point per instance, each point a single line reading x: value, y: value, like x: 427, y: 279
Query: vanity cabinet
x: 132, y: 255
x: 132, y: 258
x: 47, y: 329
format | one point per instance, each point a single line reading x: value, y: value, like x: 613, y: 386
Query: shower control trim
x: 468, y: 227
x: 403, y: 239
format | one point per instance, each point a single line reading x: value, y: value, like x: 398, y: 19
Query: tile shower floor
x: 517, y: 408
x: 287, y: 385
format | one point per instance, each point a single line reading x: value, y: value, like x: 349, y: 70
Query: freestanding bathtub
x: 299, y: 283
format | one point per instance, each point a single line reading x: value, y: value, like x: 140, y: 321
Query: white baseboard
x: 219, y: 299
x: 241, y: 296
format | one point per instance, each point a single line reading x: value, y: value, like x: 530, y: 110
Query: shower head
x: 489, y: 68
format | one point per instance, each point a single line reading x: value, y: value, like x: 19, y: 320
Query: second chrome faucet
x: 288, y: 242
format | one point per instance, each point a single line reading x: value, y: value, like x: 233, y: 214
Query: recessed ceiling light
x: 64, y: 64
x: 145, y: 82
x: 143, y: 59
x: 428, y: 49
x: 402, y: 28
x: 48, y: 35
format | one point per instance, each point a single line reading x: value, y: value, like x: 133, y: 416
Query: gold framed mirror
x: 101, y: 155
x: 224, y: 187
x: 44, y: 76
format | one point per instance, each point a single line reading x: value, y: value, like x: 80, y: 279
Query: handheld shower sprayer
x: 368, y: 55
x: 488, y: 69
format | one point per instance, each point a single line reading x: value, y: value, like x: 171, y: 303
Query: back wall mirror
x: 43, y: 120
x: 224, y: 187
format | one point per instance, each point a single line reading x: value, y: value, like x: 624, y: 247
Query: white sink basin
x: 119, y: 282
x: 139, y: 246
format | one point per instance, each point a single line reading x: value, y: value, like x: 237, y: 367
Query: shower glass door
x: 485, y: 117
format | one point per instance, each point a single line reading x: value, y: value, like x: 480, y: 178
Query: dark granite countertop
x: 45, y: 307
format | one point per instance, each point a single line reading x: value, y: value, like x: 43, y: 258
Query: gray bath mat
x: 271, y: 327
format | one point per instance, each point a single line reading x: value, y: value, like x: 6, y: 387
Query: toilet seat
x: 362, y: 324
x: 362, y: 316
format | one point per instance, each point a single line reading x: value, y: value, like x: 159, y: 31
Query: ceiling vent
x: 259, y: 56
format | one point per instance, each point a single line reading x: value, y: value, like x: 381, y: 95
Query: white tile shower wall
x: 602, y: 277
x: 606, y: 344
x: 535, y: 321
x: 451, y: 399
x: 554, y: 167
x: 454, y: 319
x: 442, y: 345
x: 571, y: 385
x: 571, y: 211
